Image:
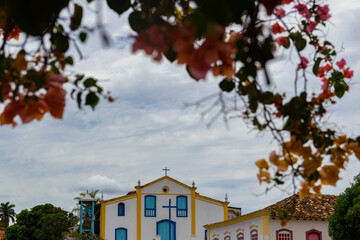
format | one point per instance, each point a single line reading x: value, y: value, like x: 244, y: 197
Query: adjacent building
x: 308, y: 220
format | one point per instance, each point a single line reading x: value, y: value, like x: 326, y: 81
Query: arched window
x: 121, y: 234
x: 240, y: 236
x: 150, y: 206
x: 254, y: 234
x: 181, y: 206
x: 121, y: 209
x: 284, y: 234
x: 227, y: 238
x: 313, y: 235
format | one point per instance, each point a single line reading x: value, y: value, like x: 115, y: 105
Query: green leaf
x: 340, y: 88
x: 78, y: 99
x: 170, y: 54
x: 119, y: 6
x: 91, y: 99
x: 226, y: 85
x: 72, y: 94
x: 299, y: 41
x: 69, y: 60
x: 60, y: 42
x: 199, y: 22
x: 36, y: 16
x: 267, y: 97
x: 89, y: 82
x: 76, y: 18
x: 137, y: 21
x: 316, y: 66
x: 83, y: 36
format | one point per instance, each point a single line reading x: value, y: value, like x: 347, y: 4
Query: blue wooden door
x: 121, y: 234
x: 166, y: 229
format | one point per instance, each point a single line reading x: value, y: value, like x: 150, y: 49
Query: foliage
x: 233, y: 40
x: 42, y: 222
x: 344, y: 223
x: 7, y: 213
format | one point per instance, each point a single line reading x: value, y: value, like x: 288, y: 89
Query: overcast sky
x: 147, y: 128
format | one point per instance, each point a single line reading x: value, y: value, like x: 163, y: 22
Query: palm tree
x: 7, y: 213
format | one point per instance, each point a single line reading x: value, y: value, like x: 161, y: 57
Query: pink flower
x: 303, y: 10
x: 325, y: 84
x: 324, y: 69
x: 282, y: 41
x: 276, y: 28
x: 311, y: 27
x: 341, y: 64
x: 280, y: 12
x: 323, y: 12
x: 347, y: 73
x: 303, y: 64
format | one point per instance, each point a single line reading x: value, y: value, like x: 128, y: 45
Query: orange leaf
x: 262, y: 163
x: 329, y: 175
x: 11, y: 110
x: 33, y: 110
x: 55, y: 99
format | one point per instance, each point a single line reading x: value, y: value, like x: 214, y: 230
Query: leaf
x: 78, y: 99
x: 316, y: 66
x: 171, y: 55
x: 34, y: 17
x: 92, y: 100
x: 69, y: 60
x: 55, y: 99
x: 340, y: 88
x: 299, y: 41
x: 119, y: 6
x: 89, y: 82
x: 60, y: 42
x: 226, y: 85
x: 137, y: 21
x: 76, y: 18
x: 82, y: 36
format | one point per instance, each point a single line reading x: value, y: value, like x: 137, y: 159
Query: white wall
x: 300, y: 227
x: 114, y: 221
x: 232, y: 229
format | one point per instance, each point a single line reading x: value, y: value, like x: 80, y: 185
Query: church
x: 165, y: 209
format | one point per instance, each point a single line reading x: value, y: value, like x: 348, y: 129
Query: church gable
x: 166, y: 186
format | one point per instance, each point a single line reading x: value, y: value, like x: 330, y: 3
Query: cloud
x: 147, y: 128
x: 102, y: 183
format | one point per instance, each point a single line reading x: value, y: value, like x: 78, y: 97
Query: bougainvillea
x: 233, y: 40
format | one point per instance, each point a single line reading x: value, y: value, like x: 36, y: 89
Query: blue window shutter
x: 181, y: 206
x: 150, y: 206
x: 121, y: 209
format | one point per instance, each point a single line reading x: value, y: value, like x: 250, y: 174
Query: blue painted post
x: 81, y: 216
x: 92, y: 218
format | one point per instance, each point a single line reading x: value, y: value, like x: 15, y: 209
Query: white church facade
x: 164, y: 209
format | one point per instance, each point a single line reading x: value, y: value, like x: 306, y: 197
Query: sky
x: 148, y: 128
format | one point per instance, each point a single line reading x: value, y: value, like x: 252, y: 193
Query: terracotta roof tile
x: 318, y: 207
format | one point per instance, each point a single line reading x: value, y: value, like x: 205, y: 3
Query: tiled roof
x: 317, y: 207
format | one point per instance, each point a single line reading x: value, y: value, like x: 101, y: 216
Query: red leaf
x: 55, y: 99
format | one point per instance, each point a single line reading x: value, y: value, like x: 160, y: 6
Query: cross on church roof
x: 166, y: 170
